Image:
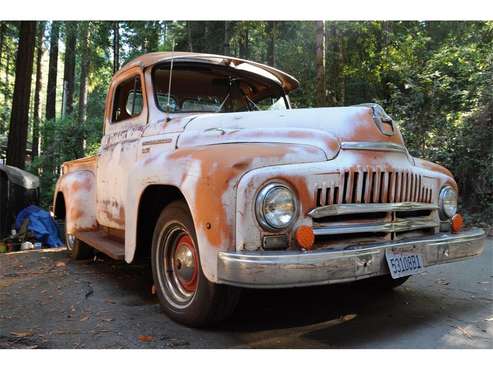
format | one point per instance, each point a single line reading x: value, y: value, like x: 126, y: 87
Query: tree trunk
x: 37, y: 90
x: 320, y: 63
x: 84, y: 70
x: 52, y: 72
x: 69, y: 69
x: 6, y: 87
x: 244, y: 42
x: 271, y: 42
x: 17, y: 140
x: 342, y: 78
x: 227, y: 37
x: 2, y: 38
x: 189, y: 34
x: 116, y: 46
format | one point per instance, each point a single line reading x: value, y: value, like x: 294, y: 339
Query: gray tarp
x: 20, y: 177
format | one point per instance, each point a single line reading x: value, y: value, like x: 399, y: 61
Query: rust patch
x: 220, y: 169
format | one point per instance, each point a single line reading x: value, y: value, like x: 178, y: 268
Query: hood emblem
x: 383, y: 121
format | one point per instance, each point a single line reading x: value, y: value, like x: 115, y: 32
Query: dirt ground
x: 49, y: 301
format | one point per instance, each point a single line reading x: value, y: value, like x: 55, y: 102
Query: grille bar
x: 384, y: 227
x: 345, y: 209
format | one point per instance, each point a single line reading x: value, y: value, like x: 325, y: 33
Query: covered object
x: 18, y: 189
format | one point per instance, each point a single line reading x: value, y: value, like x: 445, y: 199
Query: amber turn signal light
x: 457, y: 223
x: 305, y: 237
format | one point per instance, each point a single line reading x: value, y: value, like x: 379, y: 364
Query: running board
x: 102, y: 242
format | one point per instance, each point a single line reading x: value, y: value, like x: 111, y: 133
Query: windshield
x: 209, y: 88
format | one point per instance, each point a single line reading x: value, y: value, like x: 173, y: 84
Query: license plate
x: 404, y: 264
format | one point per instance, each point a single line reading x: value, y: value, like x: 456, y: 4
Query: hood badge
x: 383, y: 121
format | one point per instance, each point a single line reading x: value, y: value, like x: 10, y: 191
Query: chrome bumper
x: 297, y: 268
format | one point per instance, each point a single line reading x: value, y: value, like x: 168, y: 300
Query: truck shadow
x: 340, y: 316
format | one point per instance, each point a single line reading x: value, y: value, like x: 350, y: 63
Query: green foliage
x: 433, y: 78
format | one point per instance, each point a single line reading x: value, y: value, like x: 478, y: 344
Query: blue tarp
x: 41, y: 224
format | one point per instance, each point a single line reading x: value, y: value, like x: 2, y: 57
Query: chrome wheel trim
x: 169, y: 279
x: 70, y: 241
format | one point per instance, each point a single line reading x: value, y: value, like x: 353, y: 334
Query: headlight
x: 276, y: 206
x: 448, y: 202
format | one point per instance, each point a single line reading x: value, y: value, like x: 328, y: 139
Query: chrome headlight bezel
x: 447, y: 213
x: 259, y: 206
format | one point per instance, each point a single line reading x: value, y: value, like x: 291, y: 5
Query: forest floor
x: 49, y: 301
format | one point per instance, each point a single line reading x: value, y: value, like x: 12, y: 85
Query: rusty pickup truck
x: 206, y: 170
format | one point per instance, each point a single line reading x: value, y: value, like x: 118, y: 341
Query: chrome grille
x: 373, y: 185
x: 372, y: 204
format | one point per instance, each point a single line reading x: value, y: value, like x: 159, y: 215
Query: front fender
x: 208, y: 176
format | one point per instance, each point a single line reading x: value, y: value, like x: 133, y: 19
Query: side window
x: 127, y: 100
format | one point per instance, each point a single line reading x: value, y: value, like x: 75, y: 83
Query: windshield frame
x: 234, y: 73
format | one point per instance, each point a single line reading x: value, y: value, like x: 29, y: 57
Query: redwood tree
x: 116, y: 46
x: 16, y: 147
x: 52, y: 72
x: 37, y: 89
x: 320, y: 63
x: 69, y: 66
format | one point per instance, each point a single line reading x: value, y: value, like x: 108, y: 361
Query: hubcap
x: 178, y: 271
x: 184, y: 263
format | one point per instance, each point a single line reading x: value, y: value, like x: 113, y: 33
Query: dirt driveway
x: 49, y: 301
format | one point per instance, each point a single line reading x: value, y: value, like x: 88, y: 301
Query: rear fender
x: 79, y: 192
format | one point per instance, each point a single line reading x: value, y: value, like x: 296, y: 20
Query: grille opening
x: 346, y: 175
x: 322, y: 241
x: 414, y: 233
x: 419, y: 213
x: 363, y: 188
x: 370, y: 216
x: 336, y: 194
x: 372, y: 189
x: 380, y: 193
x: 319, y: 200
x: 354, y: 193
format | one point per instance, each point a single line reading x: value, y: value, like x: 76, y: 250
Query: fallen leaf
x: 43, y: 291
x: 21, y: 334
x: 84, y: 318
x: 146, y: 338
x: 60, y: 264
x: 348, y: 317
x: 443, y: 282
x: 463, y: 331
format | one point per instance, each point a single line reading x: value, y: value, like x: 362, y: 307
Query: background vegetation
x: 434, y: 78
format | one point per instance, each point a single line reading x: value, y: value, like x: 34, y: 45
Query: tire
x: 77, y: 249
x: 184, y: 292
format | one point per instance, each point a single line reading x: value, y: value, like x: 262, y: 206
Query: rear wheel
x: 184, y: 292
x: 77, y: 249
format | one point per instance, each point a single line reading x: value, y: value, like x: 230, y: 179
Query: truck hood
x: 325, y: 128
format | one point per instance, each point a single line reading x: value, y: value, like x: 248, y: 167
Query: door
x: 125, y: 120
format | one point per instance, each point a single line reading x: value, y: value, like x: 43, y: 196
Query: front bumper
x: 298, y: 268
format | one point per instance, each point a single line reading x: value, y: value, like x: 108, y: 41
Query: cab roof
x: 286, y: 81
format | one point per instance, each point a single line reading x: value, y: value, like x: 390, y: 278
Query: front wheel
x: 184, y: 292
